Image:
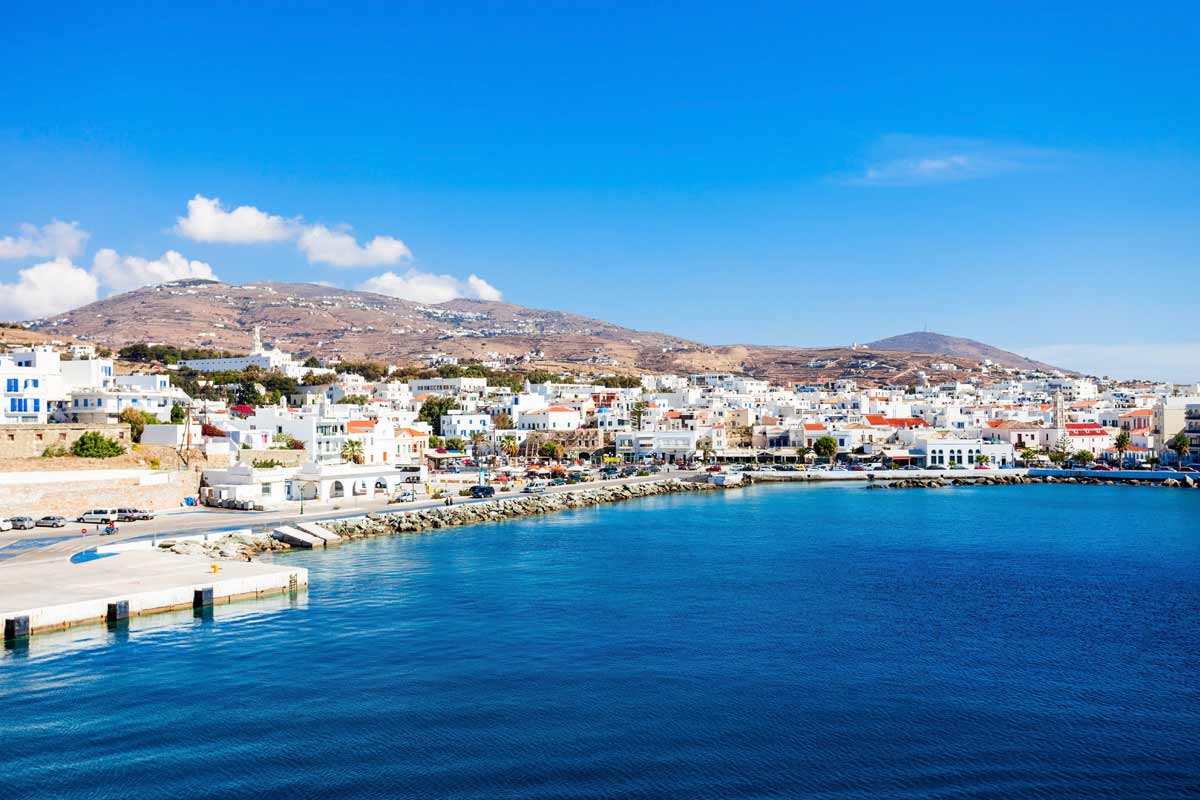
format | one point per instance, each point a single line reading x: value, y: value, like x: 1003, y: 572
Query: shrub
x: 94, y: 444
x: 464, y: 492
x: 155, y: 463
x: 265, y: 463
x: 55, y: 451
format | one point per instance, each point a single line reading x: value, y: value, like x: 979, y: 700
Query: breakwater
x: 507, y: 508
x: 1185, y: 482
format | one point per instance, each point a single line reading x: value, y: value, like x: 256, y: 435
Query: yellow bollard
x: 216, y: 568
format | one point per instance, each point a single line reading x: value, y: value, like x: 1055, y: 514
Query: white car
x: 537, y: 487
x: 5, y: 525
x: 99, y: 516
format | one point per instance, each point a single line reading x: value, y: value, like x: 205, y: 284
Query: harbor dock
x: 47, y: 596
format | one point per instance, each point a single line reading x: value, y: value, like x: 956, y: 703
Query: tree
x: 826, y: 447
x: 552, y: 450
x: 94, y: 444
x: 311, y: 362
x: 510, y: 446
x: 502, y: 421
x: 433, y: 409
x: 1179, y: 444
x: 982, y: 459
x: 455, y: 443
x: 1122, y: 444
x: 355, y: 400
x: 636, y: 411
x: 352, y: 450
x: 706, y: 449
x: 435, y: 441
x: 137, y: 421
x: 477, y: 440
x: 1028, y: 455
x: 178, y: 414
x: 1083, y: 457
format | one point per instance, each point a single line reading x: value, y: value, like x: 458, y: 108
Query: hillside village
x: 266, y: 428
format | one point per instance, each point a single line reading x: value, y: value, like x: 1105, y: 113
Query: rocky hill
x: 310, y: 319
x: 929, y: 342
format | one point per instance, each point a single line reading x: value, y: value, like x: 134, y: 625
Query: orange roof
x: 1139, y: 412
x: 560, y: 409
x: 361, y: 425
x: 411, y: 432
x: 810, y: 426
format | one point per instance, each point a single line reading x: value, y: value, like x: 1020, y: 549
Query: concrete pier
x: 57, y: 595
x: 296, y: 537
x: 329, y: 537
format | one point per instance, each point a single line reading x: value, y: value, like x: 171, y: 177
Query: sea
x: 778, y: 641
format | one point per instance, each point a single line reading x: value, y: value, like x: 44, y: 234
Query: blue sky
x: 770, y: 173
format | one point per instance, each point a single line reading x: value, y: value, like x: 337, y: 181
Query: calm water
x: 785, y: 641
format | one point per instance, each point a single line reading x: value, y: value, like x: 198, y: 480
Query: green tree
x: 433, y: 409
x: 455, y: 443
x: 552, y: 450
x: 636, y: 412
x: 510, y: 446
x: 826, y: 447
x: 435, y: 441
x: 355, y: 400
x: 501, y: 421
x: 178, y: 413
x: 1121, y: 445
x: 94, y: 444
x: 352, y: 451
x: 137, y: 421
x: 311, y: 362
x: 1028, y: 456
x: 1083, y: 457
x: 1179, y: 444
x: 478, y: 438
x: 982, y: 459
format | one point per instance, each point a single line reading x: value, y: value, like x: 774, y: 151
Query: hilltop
x: 311, y: 319
x: 930, y: 342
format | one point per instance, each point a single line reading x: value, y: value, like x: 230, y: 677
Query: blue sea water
x: 781, y: 641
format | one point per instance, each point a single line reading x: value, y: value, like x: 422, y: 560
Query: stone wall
x: 288, y: 458
x: 30, y: 441
x: 156, y: 491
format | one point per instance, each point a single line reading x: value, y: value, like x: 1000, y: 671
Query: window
x: 11, y: 385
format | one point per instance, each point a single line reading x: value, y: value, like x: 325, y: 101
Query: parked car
x: 483, y: 491
x: 652, y: 469
x: 99, y: 516
x: 910, y: 468
x: 1189, y: 469
x: 536, y: 487
x: 1101, y: 468
x: 5, y: 525
x: 52, y: 522
x: 714, y: 468
x: 134, y: 514
x: 22, y: 523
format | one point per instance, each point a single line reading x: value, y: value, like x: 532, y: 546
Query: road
x: 70, y: 541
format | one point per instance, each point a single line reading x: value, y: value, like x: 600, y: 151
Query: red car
x: 714, y: 468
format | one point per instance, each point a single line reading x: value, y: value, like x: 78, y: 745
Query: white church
x: 273, y: 360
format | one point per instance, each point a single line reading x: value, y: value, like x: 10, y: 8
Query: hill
x: 310, y: 319
x: 929, y: 342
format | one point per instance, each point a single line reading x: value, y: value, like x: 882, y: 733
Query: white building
x: 554, y: 418
x: 462, y: 424
x: 272, y: 360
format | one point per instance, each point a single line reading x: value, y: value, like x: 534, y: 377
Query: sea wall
x: 507, y: 508
x: 1185, y: 482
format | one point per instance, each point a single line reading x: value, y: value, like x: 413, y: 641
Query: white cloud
x: 426, y: 287
x: 122, y: 273
x: 208, y: 221
x: 322, y: 245
x: 901, y: 160
x: 56, y: 239
x: 46, y: 289
x: 1178, y: 362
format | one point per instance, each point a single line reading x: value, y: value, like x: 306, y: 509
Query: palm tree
x: 1122, y: 443
x: 477, y: 439
x: 706, y: 449
x: 352, y: 450
x: 510, y: 446
x: 982, y: 459
x: 1179, y: 443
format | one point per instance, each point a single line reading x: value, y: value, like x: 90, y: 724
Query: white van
x: 535, y: 487
x: 100, y: 516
